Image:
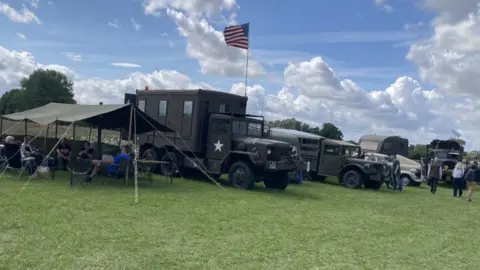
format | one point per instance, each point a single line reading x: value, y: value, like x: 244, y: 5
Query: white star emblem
x: 218, y: 146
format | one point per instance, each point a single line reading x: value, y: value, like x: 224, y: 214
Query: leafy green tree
x: 417, y: 151
x: 41, y: 87
x: 331, y: 131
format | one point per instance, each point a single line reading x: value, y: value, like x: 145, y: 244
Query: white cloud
x: 207, y: 46
x: 126, y: 65
x: 35, y: 3
x: 72, y: 56
x: 25, y: 16
x: 191, y: 7
x: 164, y: 34
x: 411, y: 26
x: 135, y: 25
x: 383, y: 4
x: 21, y: 36
x: 114, y: 24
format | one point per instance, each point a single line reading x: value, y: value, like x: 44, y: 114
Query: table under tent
x: 125, y: 117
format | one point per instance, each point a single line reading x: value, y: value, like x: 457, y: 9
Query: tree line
x: 39, y: 88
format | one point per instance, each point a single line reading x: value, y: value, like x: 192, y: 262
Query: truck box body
x: 187, y: 112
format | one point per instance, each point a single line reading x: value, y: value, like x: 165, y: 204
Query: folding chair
x: 14, y: 159
x: 78, y: 170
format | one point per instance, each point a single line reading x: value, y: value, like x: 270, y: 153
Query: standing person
x: 458, y: 180
x: 63, y: 154
x: 434, y: 174
x: 396, y: 174
x: 472, y: 177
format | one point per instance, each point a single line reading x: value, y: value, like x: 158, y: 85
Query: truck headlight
x: 269, y: 151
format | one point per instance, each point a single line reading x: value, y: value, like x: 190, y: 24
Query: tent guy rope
x: 187, y: 157
x: 45, y: 159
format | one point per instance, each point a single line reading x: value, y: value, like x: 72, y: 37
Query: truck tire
x: 406, y: 180
x: 240, y: 175
x: 170, y: 168
x: 277, y: 180
x: 352, y: 179
x: 371, y: 184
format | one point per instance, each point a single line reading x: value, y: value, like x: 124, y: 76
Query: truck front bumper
x: 281, y: 165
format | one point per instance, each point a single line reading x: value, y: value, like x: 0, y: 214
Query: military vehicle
x: 215, y: 133
x: 410, y: 171
x: 448, y: 152
x: 335, y: 158
x: 387, y: 145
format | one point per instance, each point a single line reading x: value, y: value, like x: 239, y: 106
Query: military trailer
x: 335, y: 158
x: 448, y: 152
x: 213, y: 133
x: 387, y: 145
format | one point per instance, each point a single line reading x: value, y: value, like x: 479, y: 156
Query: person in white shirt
x: 458, y: 179
x: 25, y: 148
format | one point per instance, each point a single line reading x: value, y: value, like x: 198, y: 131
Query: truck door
x: 219, y: 139
x: 331, y: 160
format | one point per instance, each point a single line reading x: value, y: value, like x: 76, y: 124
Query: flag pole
x: 246, y: 69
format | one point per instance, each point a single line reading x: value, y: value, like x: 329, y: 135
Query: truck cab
x: 448, y: 152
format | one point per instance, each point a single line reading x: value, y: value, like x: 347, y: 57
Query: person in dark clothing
x: 472, y: 177
x: 63, y: 154
x: 86, y: 152
x: 458, y: 180
x: 434, y: 174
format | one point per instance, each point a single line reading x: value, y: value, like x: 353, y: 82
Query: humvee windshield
x: 351, y: 151
x: 246, y: 127
x: 446, y: 155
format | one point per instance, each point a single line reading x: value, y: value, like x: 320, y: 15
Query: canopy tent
x: 111, y: 116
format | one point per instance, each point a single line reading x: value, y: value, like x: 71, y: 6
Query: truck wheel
x: 370, y: 184
x: 406, y: 180
x: 352, y: 179
x: 415, y: 184
x: 170, y: 167
x: 278, y: 180
x: 241, y: 175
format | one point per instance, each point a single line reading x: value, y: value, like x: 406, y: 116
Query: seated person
x: 63, y: 154
x: 25, y: 148
x: 110, y: 167
x: 86, y: 152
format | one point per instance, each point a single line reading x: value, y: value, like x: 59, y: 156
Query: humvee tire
x: 371, y: 184
x: 170, y: 168
x: 277, y: 180
x: 241, y: 175
x: 352, y: 179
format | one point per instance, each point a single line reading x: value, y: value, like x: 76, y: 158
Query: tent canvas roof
x: 110, y: 116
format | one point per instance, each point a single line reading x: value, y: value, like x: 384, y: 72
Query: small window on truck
x: 221, y: 126
x: 239, y: 127
x: 331, y: 150
x: 187, y: 108
x: 162, y: 108
x: 141, y: 105
x: 255, y: 129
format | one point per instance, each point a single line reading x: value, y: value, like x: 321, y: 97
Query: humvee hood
x: 362, y: 161
x: 263, y: 141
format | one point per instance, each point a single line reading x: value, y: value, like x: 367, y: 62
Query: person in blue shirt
x: 110, y: 167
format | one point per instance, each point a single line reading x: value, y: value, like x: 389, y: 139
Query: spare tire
x: 170, y: 167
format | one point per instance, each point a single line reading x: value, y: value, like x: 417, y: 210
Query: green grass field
x: 196, y: 225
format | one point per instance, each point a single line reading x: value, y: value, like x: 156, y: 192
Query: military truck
x: 335, y: 158
x: 448, y: 152
x: 213, y: 133
x: 387, y: 145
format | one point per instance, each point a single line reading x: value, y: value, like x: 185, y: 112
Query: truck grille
x: 279, y: 154
x: 450, y: 163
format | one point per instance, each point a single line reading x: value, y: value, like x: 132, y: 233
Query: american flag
x: 237, y: 35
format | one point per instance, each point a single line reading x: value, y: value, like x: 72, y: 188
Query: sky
x: 389, y: 67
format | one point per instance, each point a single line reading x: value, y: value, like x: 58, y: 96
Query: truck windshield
x: 245, y: 128
x: 351, y: 151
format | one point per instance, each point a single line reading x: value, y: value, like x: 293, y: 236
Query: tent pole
x: 56, y: 129
x: 90, y: 134
x: 129, y: 138
x: 120, y: 138
x: 135, y: 153
x: 46, y: 136
x: 99, y: 137
x: 26, y: 130
x: 1, y: 124
x: 74, y: 124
